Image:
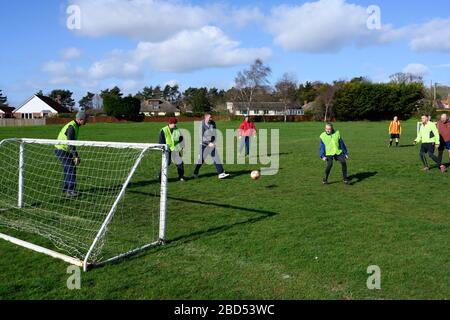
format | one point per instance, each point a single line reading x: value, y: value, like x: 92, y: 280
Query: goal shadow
x: 190, y: 237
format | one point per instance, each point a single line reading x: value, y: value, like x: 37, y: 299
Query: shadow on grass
x: 183, y: 239
x: 405, y: 146
x: 359, y: 177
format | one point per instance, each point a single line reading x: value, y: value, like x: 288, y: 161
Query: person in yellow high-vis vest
x: 332, y: 148
x: 171, y: 136
x: 429, y: 138
x: 68, y: 155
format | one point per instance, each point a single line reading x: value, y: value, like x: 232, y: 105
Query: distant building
x: 6, y: 112
x: 264, y: 109
x: 39, y: 106
x: 158, y: 107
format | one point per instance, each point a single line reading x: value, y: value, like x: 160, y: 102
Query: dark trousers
x: 205, y: 152
x: 245, y: 141
x: 176, y: 157
x: 69, y: 169
x: 428, y: 148
x: 341, y: 159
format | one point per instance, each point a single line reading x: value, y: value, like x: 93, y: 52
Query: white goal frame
x: 118, y: 145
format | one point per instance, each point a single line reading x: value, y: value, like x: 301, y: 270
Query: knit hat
x: 81, y: 115
x: 173, y: 121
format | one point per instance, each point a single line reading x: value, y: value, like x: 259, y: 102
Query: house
x: 264, y: 109
x: 446, y: 102
x: 158, y: 107
x: 39, y: 106
x: 6, y: 112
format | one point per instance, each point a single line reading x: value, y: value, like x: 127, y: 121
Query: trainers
x: 72, y: 194
x: 324, y: 181
x: 195, y: 176
x: 223, y: 175
x: 425, y: 169
x: 183, y: 179
x: 443, y: 168
x: 347, y: 181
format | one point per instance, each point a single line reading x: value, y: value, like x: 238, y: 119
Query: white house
x: 158, y: 107
x: 264, y: 109
x: 39, y: 107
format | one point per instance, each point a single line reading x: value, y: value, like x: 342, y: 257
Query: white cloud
x: 115, y: 66
x: 207, y: 47
x: 157, y: 20
x: 171, y: 83
x: 433, y: 36
x: 417, y: 69
x: 56, y: 67
x: 321, y: 26
x: 151, y: 20
x: 71, y: 53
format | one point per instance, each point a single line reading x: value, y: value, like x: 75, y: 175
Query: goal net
x: 108, y: 206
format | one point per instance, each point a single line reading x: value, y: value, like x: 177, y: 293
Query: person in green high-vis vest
x: 428, y: 135
x: 68, y: 155
x: 171, y: 136
x: 332, y: 148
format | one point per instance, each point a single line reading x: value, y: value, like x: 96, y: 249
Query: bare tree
x: 286, y: 89
x: 326, y: 97
x: 405, y: 78
x: 249, y: 81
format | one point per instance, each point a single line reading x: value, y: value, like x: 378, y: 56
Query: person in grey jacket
x: 208, y: 147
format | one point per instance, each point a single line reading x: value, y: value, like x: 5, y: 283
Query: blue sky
x: 134, y: 43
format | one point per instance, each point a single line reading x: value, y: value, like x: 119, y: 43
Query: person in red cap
x: 171, y: 136
x: 246, y: 131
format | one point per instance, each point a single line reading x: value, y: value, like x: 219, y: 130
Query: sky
x: 91, y: 45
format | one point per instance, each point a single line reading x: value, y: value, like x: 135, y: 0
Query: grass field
x: 283, y: 237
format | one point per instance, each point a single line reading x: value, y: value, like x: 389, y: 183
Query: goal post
x: 98, y: 211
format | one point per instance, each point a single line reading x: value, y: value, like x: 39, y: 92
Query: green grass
x: 244, y: 239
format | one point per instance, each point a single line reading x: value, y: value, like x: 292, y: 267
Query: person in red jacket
x: 443, y: 126
x: 246, y: 131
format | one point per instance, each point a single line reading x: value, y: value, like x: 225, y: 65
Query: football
x: 255, y: 175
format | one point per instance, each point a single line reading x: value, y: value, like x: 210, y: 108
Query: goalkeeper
x: 171, y: 136
x: 68, y: 155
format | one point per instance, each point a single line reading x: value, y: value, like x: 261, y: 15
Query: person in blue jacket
x: 332, y: 147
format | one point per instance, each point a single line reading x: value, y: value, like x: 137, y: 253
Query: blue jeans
x: 201, y: 159
x: 245, y: 141
x: 69, y: 169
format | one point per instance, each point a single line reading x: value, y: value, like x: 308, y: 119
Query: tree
x: 198, y: 99
x: 326, y: 98
x: 146, y: 94
x: 252, y: 80
x: 286, y: 90
x: 3, y: 100
x: 157, y: 93
x: 307, y: 92
x: 126, y: 108
x: 63, y: 97
x: 113, y: 92
x: 405, y: 78
x: 87, y: 102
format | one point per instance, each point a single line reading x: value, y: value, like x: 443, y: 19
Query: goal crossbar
x: 143, y: 148
x: 104, y: 144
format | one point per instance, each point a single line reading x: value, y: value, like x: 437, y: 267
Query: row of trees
x: 356, y: 99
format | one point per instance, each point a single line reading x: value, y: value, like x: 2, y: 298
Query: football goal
x: 109, y: 205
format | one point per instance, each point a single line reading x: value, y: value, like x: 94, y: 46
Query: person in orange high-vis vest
x: 395, y: 130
